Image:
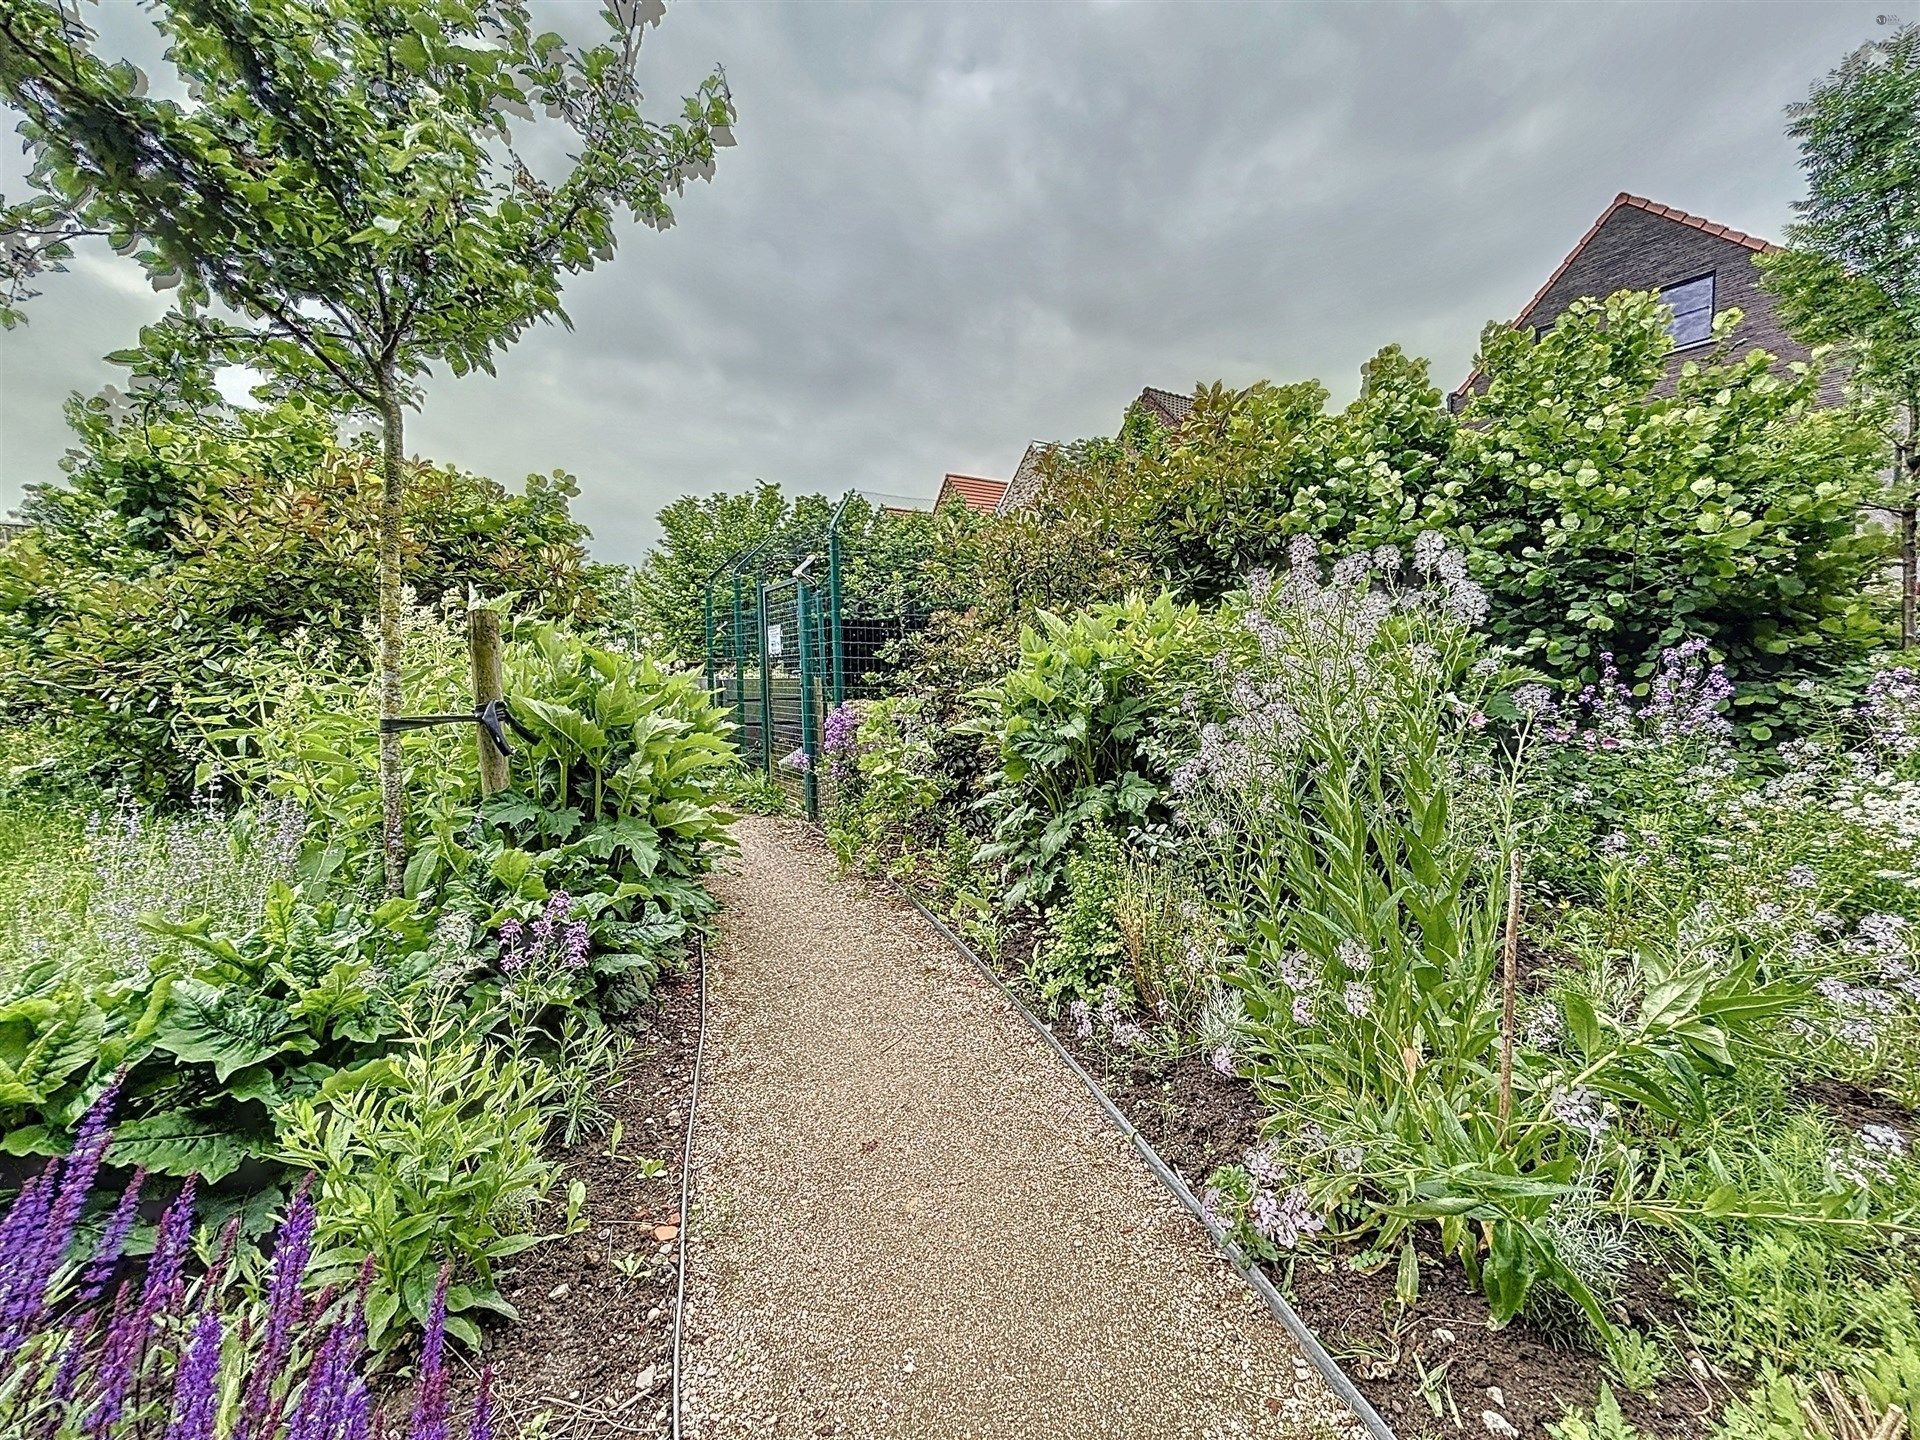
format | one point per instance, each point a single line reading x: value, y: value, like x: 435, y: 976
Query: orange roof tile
x: 976, y: 492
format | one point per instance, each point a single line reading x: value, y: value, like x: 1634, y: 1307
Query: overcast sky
x: 951, y: 228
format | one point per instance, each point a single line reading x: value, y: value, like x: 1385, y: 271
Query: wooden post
x: 489, y: 684
x: 1509, y: 987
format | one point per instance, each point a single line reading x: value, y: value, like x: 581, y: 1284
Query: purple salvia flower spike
x: 291, y: 1249
x: 482, y: 1426
x: 125, y: 1351
x: 430, y: 1408
x: 41, y: 1228
x: 19, y: 1238
x: 113, y: 1240
x: 196, y: 1384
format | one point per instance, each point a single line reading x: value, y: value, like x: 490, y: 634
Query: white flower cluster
x: 1868, y: 1158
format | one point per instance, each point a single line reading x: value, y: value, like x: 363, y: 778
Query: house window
x: 1692, y: 306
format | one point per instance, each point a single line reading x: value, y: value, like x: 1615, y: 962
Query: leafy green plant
x: 433, y: 1154
x: 216, y: 1035
x: 1604, y: 1422
x: 615, y: 803
x: 888, y: 790
x: 1363, y: 826
x: 1607, y: 513
x: 1082, y: 954
x: 194, y: 547
x: 1082, y: 723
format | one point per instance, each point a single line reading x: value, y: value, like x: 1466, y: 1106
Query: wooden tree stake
x: 1509, y: 987
x: 489, y: 684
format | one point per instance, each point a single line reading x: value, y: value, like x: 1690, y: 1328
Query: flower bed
x: 1537, y: 1001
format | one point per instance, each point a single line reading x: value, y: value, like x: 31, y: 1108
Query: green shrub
x: 187, y: 548
x: 1082, y: 725
x: 614, y: 803
x: 1605, y: 516
x: 1082, y: 954
x: 430, y: 1155
x: 887, y: 794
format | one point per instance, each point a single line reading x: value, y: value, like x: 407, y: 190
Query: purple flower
x: 112, y: 1240
x: 1284, y: 1219
x: 1082, y: 1016
x: 554, y: 938
x: 64, y: 1195
x: 482, y: 1426
x: 841, y: 739
x: 292, y: 1248
x: 196, y: 1384
x: 1222, y: 1061
x: 430, y: 1406
x: 798, y: 761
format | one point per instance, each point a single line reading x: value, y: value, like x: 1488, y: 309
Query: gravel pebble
x: 912, y: 1221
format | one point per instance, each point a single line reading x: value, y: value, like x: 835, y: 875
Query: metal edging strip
x: 1289, y: 1319
x: 686, y: 1190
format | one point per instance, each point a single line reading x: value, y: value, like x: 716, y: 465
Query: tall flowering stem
x: 174, y: 1355
x: 1359, y: 816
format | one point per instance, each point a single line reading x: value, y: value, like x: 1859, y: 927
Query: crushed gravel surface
x: 910, y: 1220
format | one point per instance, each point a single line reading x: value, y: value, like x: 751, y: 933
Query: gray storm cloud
x: 951, y: 228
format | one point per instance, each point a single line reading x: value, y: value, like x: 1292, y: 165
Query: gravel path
x: 911, y: 1221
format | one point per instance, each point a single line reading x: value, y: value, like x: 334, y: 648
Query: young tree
x: 342, y: 200
x: 1851, y: 273
x: 698, y: 534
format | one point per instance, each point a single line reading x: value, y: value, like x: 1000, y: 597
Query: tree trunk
x: 1909, y: 579
x: 393, y: 799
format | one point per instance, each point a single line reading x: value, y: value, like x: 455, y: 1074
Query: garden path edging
x: 1310, y: 1346
x: 686, y: 1194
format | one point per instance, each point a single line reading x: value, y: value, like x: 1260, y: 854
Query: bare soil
x: 592, y: 1344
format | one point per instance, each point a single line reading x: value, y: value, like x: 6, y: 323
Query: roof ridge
x: 1626, y: 200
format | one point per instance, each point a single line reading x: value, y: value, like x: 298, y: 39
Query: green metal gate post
x: 833, y: 601
x: 706, y: 626
x: 739, y: 656
x: 804, y: 622
x: 766, y: 692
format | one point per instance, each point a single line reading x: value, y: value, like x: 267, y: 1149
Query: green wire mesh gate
x: 789, y: 639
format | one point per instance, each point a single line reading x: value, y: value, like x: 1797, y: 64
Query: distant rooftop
x: 976, y: 492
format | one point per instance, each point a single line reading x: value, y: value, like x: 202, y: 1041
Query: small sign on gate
x: 775, y: 641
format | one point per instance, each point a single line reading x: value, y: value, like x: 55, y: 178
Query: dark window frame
x: 1712, y: 277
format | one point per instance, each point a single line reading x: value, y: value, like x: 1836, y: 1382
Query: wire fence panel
x: 786, y: 647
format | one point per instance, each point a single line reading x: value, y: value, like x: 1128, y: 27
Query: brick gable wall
x: 1637, y: 250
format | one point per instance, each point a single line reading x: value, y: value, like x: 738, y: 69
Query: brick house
x: 1699, y: 269
x: 1166, y: 408
x: 976, y: 492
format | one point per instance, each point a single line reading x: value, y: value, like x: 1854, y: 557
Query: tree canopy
x: 340, y: 194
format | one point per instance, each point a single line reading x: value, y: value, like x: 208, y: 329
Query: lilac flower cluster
x: 840, y: 740
x: 1111, y: 1015
x: 1580, y: 1110
x: 554, y: 938
x: 1687, y: 700
x: 199, y: 863
x: 1317, y: 645
x: 1891, y: 709
x: 158, y: 1356
x: 1869, y: 1157
x: 1280, y: 1216
x: 797, y: 760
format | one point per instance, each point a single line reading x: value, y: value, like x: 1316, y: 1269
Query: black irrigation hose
x: 1315, y: 1352
x: 686, y: 1187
